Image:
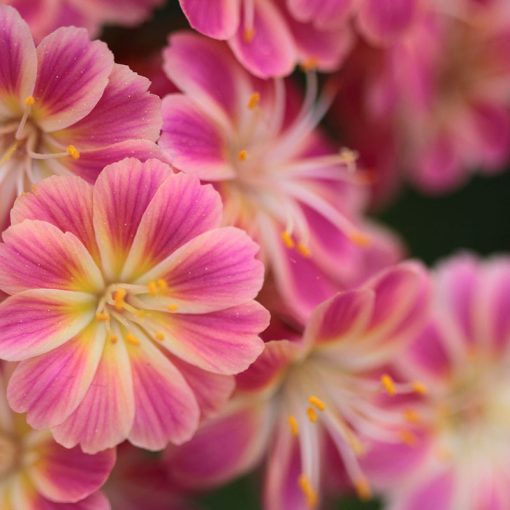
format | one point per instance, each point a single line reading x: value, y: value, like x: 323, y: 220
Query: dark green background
x: 473, y: 218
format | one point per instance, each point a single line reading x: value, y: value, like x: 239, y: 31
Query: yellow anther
x: 389, y: 384
x: 118, y: 298
x: 153, y: 288
x: 159, y: 336
x: 303, y: 249
x: 357, y: 446
x: 312, y: 415
x: 73, y: 151
x: 308, y: 491
x: 131, y: 339
x: 293, y: 424
x: 348, y: 155
x: 248, y: 35
x: 113, y: 339
x: 411, y: 416
x: 287, y: 239
x: 317, y: 402
x: 102, y: 316
x: 408, y: 437
x: 162, y: 285
x: 419, y: 388
x: 363, y: 489
x: 254, y: 101
x: 172, y: 308
x: 310, y: 64
x: 360, y: 239
x: 30, y: 101
x: 9, y: 153
x: 242, y: 155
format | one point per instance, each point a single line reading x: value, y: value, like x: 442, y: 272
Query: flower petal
x: 222, y: 342
x: 49, y: 387
x: 36, y: 321
x: 192, y: 141
x: 323, y: 13
x: 165, y: 408
x: 105, y: 415
x: 125, y: 111
x: 121, y: 195
x: 215, y: 18
x: 268, y: 51
x: 213, y: 271
x: 73, y: 73
x: 180, y: 210
x: 37, y: 255
x: 65, y: 476
x: 18, y: 65
x: 96, y: 501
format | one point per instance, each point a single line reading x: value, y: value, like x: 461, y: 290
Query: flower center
x: 20, y: 140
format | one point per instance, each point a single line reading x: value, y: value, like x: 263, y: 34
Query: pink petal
x: 213, y: 271
x: 383, y: 21
x: 121, y: 195
x: 18, y: 65
x: 323, y: 13
x: 180, y: 210
x: 125, y: 12
x: 225, y: 447
x: 8, y: 193
x: 206, y: 72
x: 49, y: 387
x: 224, y: 342
x: 270, y: 52
x: 96, y: 501
x: 215, y: 18
x: 165, y: 408
x: 72, y: 75
x: 125, y: 111
x: 37, y: 255
x: 192, y: 141
x: 34, y: 322
x: 64, y: 201
x: 66, y: 476
x: 105, y: 415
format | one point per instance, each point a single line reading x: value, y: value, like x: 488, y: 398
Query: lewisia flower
x: 463, y: 356
x: 38, y: 474
x: 66, y: 108
x: 278, y: 179
x: 129, y: 306
x: 44, y: 16
x: 311, y: 394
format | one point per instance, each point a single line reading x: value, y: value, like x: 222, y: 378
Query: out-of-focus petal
x: 215, y: 18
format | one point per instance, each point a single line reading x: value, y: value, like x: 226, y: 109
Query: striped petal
x: 216, y: 18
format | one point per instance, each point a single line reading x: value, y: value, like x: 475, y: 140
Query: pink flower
x: 280, y: 181
x: 44, y: 16
x: 66, y: 108
x: 129, y: 308
x: 309, y: 395
x: 38, y: 474
x: 463, y: 356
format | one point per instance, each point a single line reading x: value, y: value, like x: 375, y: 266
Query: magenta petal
x: 165, y: 408
x: 225, y: 447
x: 180, y: 210
x: 64, y: 201
x: 70, y: 475
x: 50, y: 387
x: 125, y: 111
x: 322, y: 13
x: 269, y: 50
x: 96, y: 501
x: 192, y: 141
x: 18, y: 65
x: 73, y: 73
x: 385, y: 20
x: 215, y: 18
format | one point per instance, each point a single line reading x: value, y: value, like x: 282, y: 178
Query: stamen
x: 254, y: 100
x: 73, y: 151
x: 294, y: 426
x: 412, y: 416
x: 102, y: 316
x: 162, y: 285
x: 408, y: 437
x: 389, y: 384
x: 317, y: 402
x: 309, y: 64
x: 113, y: 339
x: 303, y: 250
x: 118, y: 298
x: 172, y: 308
x: 153, y: 288
x: 30, y: 101
x: 8, y: 154
x: 360, y: 239
x: 159, y: 336
x: 312, y: 415
x: 419, y: 388
x: 287, y: 239
x: 157, y: 286
x: 363, y: 489
x: 243, y: 155
x: 308, y: 491
x: 131, y: 339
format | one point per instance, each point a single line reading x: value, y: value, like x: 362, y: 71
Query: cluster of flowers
x: 196, y: 273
